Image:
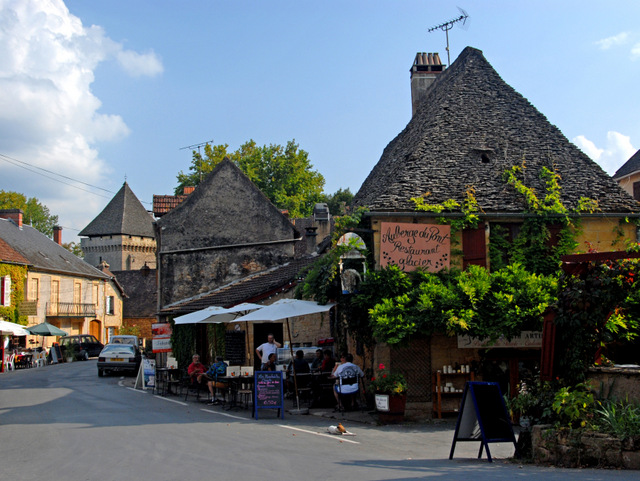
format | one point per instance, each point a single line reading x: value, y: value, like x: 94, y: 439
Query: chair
x: 347, y: 399
x: 9, y: 362
x: 191, y: 387
x: 245, y: 392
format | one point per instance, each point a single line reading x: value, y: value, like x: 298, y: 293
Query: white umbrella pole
x: 293, y: 370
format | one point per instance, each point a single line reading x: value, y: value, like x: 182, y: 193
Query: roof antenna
x: 448, y: 26
x: 201, y: 144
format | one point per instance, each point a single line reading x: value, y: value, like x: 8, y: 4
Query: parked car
x: 119, y: 357
x: 84, y: 346
x: 124, y: 339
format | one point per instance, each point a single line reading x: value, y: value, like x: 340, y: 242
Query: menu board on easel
x: 483, y: 417
x: 56, y: 353
x: 268, y: 392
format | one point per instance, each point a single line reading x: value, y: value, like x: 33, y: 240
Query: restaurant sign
x: 412, y: 246
x: 526, y: 339
x: 161, y: 340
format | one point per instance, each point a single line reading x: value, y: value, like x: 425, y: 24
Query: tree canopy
x: 284, y: 174
x: 34, y: 213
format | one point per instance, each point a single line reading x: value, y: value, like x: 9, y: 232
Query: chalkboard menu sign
x: 56, y: 353
x: 235, y: 347
x: 268, y: 392
x: 483, y: 417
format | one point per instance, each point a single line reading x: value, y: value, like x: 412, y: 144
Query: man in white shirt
x: 269, y: 347
x: 346, y: 369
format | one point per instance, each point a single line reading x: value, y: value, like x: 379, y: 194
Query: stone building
x: 225, y: 244
x: 628, y: 176
x: 469, y: 127
x: 61, y: 288
x: 121, y: 235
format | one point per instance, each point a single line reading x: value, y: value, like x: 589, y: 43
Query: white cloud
x: 617, y: 151
x: 635, y: 52
x: 49, y: 116
x: 137, y: 65
x: 607, y: 43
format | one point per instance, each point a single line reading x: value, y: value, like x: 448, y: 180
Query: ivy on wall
x: 18, y: 275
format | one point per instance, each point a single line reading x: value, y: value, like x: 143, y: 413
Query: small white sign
x: 382, y: 402
x: 527, y: 339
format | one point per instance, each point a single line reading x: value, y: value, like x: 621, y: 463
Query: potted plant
x: 390, y: 392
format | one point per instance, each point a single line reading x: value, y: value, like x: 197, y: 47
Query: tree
x: 339, y: 201
x: 284, y: 174
x: 74, y: 248
x: 34, y: 213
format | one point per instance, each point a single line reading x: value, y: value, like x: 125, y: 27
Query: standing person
x: 270, y: 365
x: 271, y: 346
x: 195, y: 369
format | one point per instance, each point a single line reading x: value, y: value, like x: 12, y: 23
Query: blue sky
x: 102, y: 89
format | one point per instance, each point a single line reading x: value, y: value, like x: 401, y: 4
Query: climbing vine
x: 469, y: 209
x: 18, y: 275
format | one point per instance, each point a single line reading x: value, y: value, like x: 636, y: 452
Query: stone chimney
x: 14, y: 215
x: 426, y: 67
x: 57, y: 234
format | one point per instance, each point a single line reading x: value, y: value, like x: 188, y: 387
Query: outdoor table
x: 23, y: 360
x: 165, y: 377
x: 236, y: 387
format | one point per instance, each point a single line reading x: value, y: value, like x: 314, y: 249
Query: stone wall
x: 616, y: 383
x: 574, y: 449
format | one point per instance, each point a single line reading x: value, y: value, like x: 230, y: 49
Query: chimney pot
x: 57, y: 234
x: 189, y: 190
x: 424, y: 71
x: 14, y: 215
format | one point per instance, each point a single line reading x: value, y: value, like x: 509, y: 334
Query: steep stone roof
x: 247, y: 289
x: 124, y: 214
x: 469, y: 129
x: 630, y: 166
x: 43, y: 254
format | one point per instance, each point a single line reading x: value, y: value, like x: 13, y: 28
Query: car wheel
x: 100, y: 372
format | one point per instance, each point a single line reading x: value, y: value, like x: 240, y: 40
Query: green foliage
x: 597, y: 308
x: 18, y: 275
x: 339, y: 201
x: 74, y: 248
x: 620, y: 418
x: 473, y: 302
x: 573, y: 406
x: 129, y: 331
x: 34, y: 213
x: 183, y: 343
x: 469, y: 209
x: 283, y: 173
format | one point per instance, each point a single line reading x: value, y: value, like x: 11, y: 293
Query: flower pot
x: 395, y: 414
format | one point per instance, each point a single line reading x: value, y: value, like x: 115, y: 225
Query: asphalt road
x: 64, y: 423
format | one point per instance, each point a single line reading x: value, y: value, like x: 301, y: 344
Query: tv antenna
x: 201, y: 144
x: 446, y: 26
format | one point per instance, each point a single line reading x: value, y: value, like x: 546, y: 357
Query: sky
x: 96, y: 92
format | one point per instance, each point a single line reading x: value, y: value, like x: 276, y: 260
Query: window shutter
x: 636, y: 190
x: 474, y: 247
x: 6, y: 291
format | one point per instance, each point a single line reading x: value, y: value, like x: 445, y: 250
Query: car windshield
x: 120, y: 348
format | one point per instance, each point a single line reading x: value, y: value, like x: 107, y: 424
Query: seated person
x: 317, y: 361
x: 270, y: 365
x: 196, y: 369
x: 217, y: 369
x: 301, y: 367
x: 346, y: 369
x: 328, y: 362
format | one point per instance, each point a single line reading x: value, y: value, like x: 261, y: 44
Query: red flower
x: 373, y: 378
x: 381, y: 366
x: 384, y: 375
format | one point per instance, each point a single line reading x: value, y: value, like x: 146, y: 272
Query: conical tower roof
x: 469, y: 129
x: 123, y: 215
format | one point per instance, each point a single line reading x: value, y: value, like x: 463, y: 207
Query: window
x: 55, y: 292
x: 110, y: 305
x: 34, y: 289
x: 636, y: 190
x: 77, y: 293
x: 5, y: 291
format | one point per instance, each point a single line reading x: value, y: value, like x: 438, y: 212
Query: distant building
x: 121, y: 235
x: 628, y: 176
x: 59, y: 288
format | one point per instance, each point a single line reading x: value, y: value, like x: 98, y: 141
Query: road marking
x: 171, y: 400
x: 332, y: 436
x: 223, y: 414
x: 137, y: 390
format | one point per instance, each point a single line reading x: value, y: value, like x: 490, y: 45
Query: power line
x: 22, y: 164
